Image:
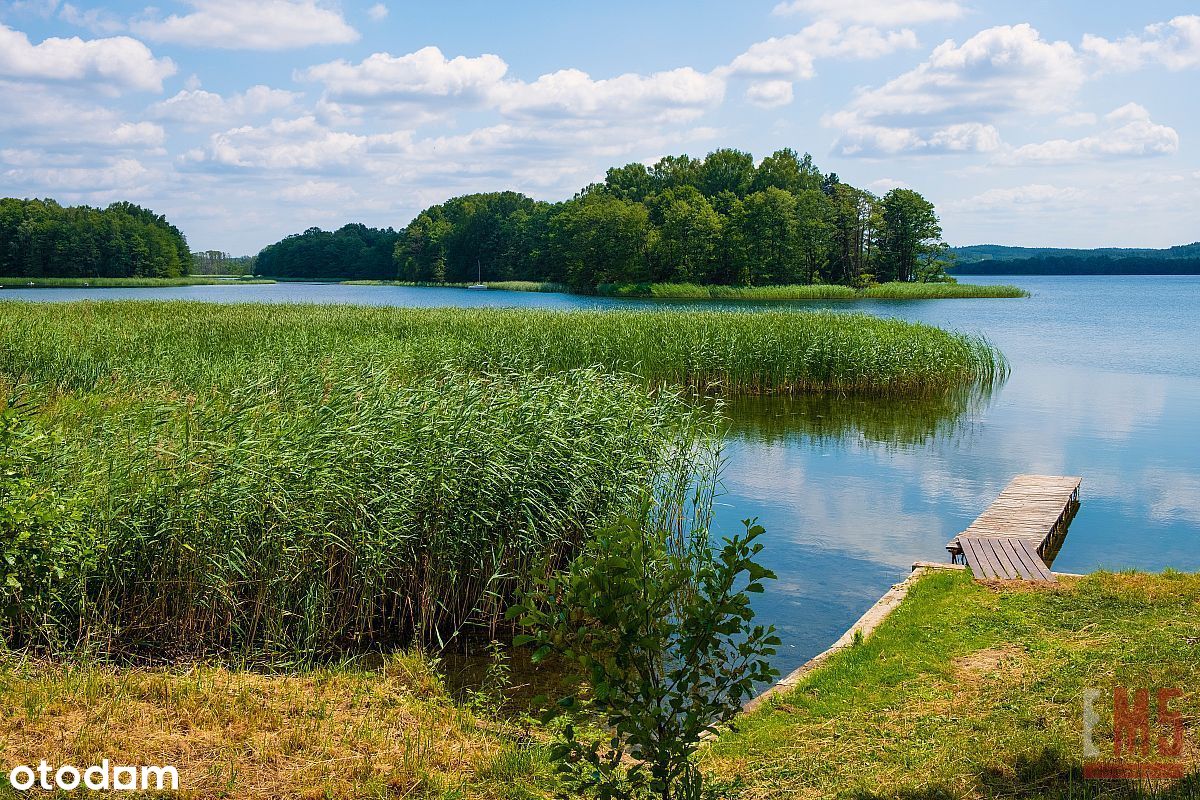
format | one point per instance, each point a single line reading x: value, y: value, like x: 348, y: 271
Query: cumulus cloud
x: 419, y: 76
x: 96, y: 20
x: 1130, y: 134
x: 872, y: 141
x: 378, y: 12
x: 56, y: 123
x: 235, y: 25
x: 875, y: 12
x: 427, y: 79
x: 111, y: 64
x: 791, y: 57
x: 770, y: 94
x: 301, y: 144
x: 1174, y: 44
x: 950, y: 102
x: 199, y: 107
x: 320, y: 191
x: 671, y: 96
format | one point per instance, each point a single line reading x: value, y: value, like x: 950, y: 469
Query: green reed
x: 816, y: 291
x: 199, y: 345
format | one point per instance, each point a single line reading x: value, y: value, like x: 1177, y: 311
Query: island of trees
x: 720, y: 220
x: 40, y: 238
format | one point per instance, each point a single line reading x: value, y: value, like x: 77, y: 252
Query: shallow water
x: 1105, y: 384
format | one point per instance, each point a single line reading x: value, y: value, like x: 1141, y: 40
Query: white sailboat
x: 479, y: 284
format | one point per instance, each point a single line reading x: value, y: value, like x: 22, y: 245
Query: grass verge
x: 114, y: 283
x: 976, y: 691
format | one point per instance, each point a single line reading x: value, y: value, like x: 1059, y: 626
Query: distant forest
x: 717, y: 220
x: 991, y: 259
x: 40, y: 238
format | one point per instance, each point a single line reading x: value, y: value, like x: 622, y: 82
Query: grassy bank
x: 970, y: 691
x: 966, y: 691
x: 197, y: 345
x: 388, y: 732
x: 112, y: 283
x: 882, y: 291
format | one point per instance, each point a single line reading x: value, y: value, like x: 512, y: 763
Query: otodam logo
x: 1147, y: 743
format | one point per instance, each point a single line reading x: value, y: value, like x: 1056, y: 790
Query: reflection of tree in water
x: 830, y: 419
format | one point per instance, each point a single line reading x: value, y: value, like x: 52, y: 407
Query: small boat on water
x: 479, y: 284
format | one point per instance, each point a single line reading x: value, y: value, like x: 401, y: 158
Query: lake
x: 1105, y: 384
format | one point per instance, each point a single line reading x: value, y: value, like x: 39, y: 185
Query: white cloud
x: 378, y: 12
x: 1174, y: 44
x: 321, y: 191
x: 1077, y: 119
x: 198, y: 107
x: 672, y: 96
x: 138, y: 134
x: 123, y: 174
x: 236, y: 25
x: 1131, y: 134
x: 96, y: 20
x: 872, y: 141
x: 770, y: 94
x: 875, y: 12
x: 428, y: 81
x: 791, y: 57
x: 111, y: 64
x: 423, y: 75
x: 949, y: 102
x: 1030, y: 194
x: 300, y: 144
x: 885, y: 185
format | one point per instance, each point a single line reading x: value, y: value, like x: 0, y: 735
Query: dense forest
x: 40, y: 238
x: 992, y: 259
x: 717, y: 220
x: 352, y: 252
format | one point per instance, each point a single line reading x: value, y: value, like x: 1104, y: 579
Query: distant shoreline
x: 691, y: 291
x: 120, y: 283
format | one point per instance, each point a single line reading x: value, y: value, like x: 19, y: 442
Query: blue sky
x: 1031, y: 123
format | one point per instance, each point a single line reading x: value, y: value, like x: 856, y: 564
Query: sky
x: 1054, y: 123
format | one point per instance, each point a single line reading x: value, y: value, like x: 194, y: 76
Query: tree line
x: 40, y: 238
x: 717, y: 220
x: 218, y: 262
x: 352, y: 252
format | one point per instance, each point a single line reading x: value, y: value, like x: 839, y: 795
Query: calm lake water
x: 1105, y: 384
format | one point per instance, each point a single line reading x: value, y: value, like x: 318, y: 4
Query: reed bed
x: 200, y: 345
x: 816, y: 291
x: 505, y: 286
x: 321, y: 513
x: 286, y: 483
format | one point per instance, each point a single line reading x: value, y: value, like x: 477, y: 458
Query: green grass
x: 110, y: 283
x: 197, y: 345
x: 883, y: 291
x: 969, y: 691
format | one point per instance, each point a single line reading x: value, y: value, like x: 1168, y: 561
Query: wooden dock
x: 1018, y: 536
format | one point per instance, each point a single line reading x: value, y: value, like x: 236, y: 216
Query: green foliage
x: 36, y: 559
x: 661, y: 623
x: 352, y: 251
x: 932, y: 288
x: 40, y: 238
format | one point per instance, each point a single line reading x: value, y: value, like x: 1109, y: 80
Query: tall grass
x: 882, y: 291
x: 110, y: 283
x: 199, y: 345
x: 506, y: 286
x: 326, y: 512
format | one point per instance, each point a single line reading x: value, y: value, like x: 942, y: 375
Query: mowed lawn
x: 977, y: 691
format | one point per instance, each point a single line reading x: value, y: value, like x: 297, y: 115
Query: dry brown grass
x: 390, y: 732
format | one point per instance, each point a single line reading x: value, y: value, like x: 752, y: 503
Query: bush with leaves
x: 660, y: 622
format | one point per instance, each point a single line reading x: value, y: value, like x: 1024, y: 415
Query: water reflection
x: 836, y: 420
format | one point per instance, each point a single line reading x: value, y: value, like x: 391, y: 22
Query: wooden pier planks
x: 1018, y: 535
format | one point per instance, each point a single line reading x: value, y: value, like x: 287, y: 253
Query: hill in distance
x: 995, y: 259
